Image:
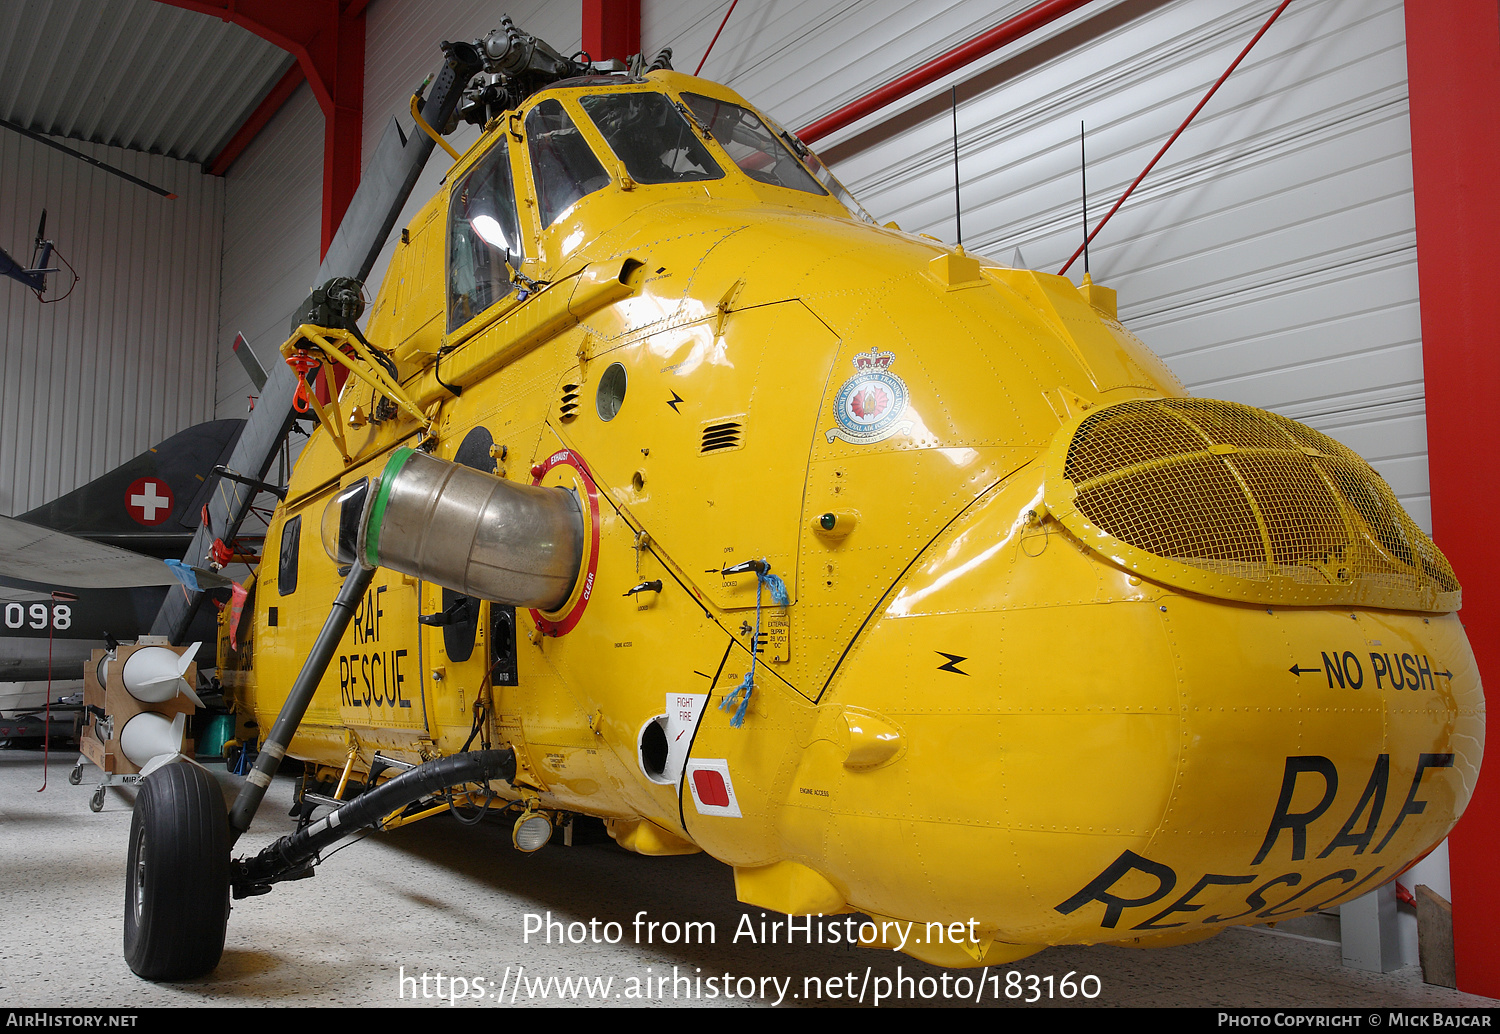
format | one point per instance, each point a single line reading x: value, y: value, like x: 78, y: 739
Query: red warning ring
x: 565, y: 624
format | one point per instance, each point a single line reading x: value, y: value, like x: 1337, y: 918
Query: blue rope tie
x: 747, y: 684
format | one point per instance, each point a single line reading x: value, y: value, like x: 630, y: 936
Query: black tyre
x: 177, y: 880
x: 76, y: 776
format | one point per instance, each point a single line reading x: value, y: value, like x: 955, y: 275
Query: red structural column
x: 327, y: 37
x: 611, y: 28
x: 341, y: 59
x: 1453, y: 67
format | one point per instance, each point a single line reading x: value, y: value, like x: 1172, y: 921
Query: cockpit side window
x: 823, y: 174
x: 651, y: 138
x: 482, y: 233
x: 562, y: 164
x: 286, y: 567
x: 752, y: 145
x: 835, y: 186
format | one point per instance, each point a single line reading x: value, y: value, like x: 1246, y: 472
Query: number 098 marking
x: 35, y: 615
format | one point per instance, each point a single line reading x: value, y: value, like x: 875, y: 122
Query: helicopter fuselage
x: 1039, y: 647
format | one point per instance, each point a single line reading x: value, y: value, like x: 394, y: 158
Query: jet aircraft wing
x: 41, y: 556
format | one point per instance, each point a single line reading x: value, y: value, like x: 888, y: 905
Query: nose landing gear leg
x: 177, y: 879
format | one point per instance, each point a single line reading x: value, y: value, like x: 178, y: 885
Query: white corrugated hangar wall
x: 126, y: 360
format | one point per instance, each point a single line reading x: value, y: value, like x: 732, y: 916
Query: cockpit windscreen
x: 751, y: 144
x: 651, y: 138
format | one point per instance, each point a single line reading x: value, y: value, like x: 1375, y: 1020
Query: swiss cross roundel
x: 148, y: 501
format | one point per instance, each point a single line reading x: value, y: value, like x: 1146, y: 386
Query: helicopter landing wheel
x: 96, y: 800
x: 76, y: 776
x: 177, y: 877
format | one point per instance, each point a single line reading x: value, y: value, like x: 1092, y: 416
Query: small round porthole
x: 611, y: 392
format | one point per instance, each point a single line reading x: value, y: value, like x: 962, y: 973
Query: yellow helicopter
x: 666, y: 487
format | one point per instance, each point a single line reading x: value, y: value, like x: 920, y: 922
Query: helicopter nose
x: 1075, y: 753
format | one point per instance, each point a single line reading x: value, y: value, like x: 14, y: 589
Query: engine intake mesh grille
x: 1267, y: 507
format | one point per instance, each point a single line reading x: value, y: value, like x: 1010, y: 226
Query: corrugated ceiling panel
x: 132, y: 73
x: 125, y: 361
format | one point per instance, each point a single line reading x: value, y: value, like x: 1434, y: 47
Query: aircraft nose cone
x: 1088, y: 756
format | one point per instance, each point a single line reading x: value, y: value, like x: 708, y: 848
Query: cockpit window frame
x: 546, y: 219
x: 497, y: 157
x: 813, y: 187
x: 636, y: 165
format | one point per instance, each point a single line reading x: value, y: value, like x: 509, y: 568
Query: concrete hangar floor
x: 436, y: 898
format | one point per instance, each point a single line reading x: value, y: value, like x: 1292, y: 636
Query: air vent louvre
x: 567, y: 406
x: 721, y: 437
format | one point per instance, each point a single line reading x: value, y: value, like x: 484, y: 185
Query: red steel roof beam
x: 341, y: 60
x: 1008, y: 31
x: 328, y: 40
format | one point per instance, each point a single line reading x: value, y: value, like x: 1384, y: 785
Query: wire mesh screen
x: 1245, y: 494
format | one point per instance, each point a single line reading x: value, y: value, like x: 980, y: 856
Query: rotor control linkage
x: 297, y: 700
x: 293, y: 856
x: 279, y: 491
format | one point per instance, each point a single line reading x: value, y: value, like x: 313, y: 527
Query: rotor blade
x: 251, y: 364
x: 384, y: 186
x: 39, y: 138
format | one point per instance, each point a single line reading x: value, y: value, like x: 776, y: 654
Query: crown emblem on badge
x: 873, y: 360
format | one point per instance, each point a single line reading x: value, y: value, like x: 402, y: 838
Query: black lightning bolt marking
x: 676, y: 398
x: 953, y: 661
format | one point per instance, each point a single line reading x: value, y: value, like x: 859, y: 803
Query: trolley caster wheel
x: 76, y: 776
x: 96, y: 802
x: 177, y: 878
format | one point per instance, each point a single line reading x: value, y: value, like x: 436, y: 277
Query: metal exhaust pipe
x: 474, y: 533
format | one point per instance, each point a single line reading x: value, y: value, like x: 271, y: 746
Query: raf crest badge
x: 870, y: 405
